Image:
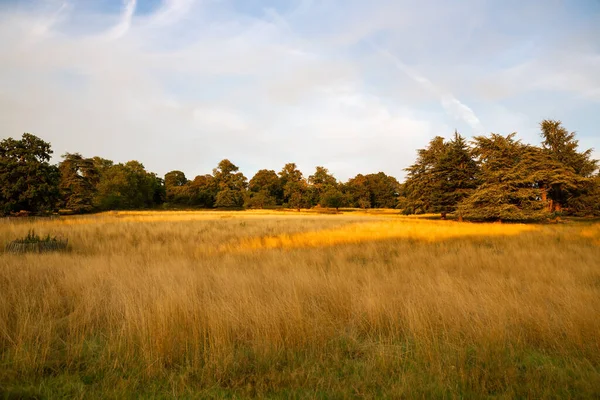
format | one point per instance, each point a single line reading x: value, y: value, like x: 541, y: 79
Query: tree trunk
x: 443, y: 215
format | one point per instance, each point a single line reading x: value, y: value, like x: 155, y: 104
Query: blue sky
x: 354, y: 85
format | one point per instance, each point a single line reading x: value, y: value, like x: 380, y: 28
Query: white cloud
x: 196, y: 81
x: 124, y: 24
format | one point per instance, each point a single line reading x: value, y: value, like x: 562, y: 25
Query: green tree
x: 229, y: 198
x: 128, y: 186
x: 260, y: 199
x: 332, y: 198
x: 27, y: 180
x: 421, y: 178
x: 587, y: 203
x: 231, y: 185
x: 455, y: 176
x: 265, y: 188
x: 176, y: 188
x: 227, y: 176
x: 569, y: 166
x: 202, y: 191
x: 295, y: 188
x: 78, y: 179
x: 510, y: 171
x: 320, y: 182
x: 358, y: 192
x: 383, y: 190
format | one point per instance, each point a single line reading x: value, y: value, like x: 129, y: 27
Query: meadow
x: 300, y: 305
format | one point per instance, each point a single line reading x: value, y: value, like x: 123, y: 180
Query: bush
x: 36, y: 244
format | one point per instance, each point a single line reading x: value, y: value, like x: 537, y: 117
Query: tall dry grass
x: 195, y: 304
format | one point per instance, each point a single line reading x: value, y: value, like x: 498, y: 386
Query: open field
x: 300, y: 305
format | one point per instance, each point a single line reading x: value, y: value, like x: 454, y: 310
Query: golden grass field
x: 300, y: 305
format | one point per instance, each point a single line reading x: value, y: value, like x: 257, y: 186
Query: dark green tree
x: 295, y: 188
x: 358, y: 192
x: 128, y: 186
x: 332, y: 197
x: 79, y: 177
x: 567, y: 163
x: 27, y: 180
x: 229, y: 198
x: 202, y: 191
x: 422, y: 178
x: 455, y: 176
x: 510, y: 171
x: 231, y: 185
x: 176, y: 188
x: 383, y: 190
x: 320, y: 182
x: 265, y: 190
x: 227, y: 176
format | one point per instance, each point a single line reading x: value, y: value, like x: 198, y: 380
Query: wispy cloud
x: 450, y: 103
x: 124, y: 24
x: 172, y: 11
x: 190, y: 82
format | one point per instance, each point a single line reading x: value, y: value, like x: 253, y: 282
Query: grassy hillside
x: 298, y: 305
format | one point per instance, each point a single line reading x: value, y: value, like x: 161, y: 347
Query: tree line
x: 492, y: 177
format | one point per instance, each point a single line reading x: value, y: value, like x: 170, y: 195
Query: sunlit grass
x: 401, y: 228
x: 300, y: 305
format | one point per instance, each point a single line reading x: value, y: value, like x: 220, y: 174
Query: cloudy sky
x: 354, y: 85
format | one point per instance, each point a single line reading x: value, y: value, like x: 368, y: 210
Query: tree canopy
x: 28, y: 182
x: 491, y: 177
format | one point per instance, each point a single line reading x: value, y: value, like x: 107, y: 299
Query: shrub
x: 36, y: 244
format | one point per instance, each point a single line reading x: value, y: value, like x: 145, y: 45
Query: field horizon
x: 287, y: 304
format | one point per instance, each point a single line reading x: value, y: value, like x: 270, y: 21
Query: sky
x: 356, y: 86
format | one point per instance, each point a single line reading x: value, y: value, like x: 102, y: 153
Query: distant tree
x: 444, y: 174
x: 128, y: 186
x: 102, y: 164
x: 79, y: 177
x: 332, y: 198
x: 227, y: 176
x: 563, y: 147
x: 567, y: 163
x: 229, y: 198
x: 455, y: 176
x: 509, y: 172
x: 383, y: 190
x: 260, y: 199
x: 231, y: 185
x: 295, y: 188
x: 27, y: 180
x: 268, y: 185
x: 176, y: 189
x: 202, y: 191
x: 320, y: 182
x: 358, y: 192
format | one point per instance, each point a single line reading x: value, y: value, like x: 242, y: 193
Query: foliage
x: 445, y: 173
x: 320, y: 182
x: 128, y: 186
x: 332, y: 198
x: 27, y: 180
x: 175, y: 187
x: 35, y: 243
x: 229, y: 198
x: 267, y: 183
x: 295, y: 188
x: 509, y: 172
x: 78, y: 179
x: 568, y: 167
x: 260, y: 199
x: 202, y: 191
